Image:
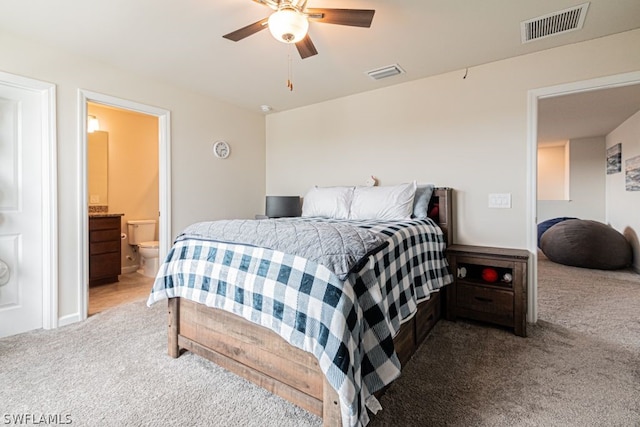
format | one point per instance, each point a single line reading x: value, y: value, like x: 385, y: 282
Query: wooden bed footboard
x: 264, y: 358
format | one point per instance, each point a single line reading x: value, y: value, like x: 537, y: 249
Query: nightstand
x: 490, y: 285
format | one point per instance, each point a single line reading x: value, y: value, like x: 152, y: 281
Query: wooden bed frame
x: 263, y: 357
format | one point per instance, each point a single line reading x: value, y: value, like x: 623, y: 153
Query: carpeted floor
x: 600, y: 304
x: 113, y: 370
x: 579, y: 366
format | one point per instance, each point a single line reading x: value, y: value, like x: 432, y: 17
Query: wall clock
x: 221, y: 149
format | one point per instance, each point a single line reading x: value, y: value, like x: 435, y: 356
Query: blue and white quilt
x: 348, y: 324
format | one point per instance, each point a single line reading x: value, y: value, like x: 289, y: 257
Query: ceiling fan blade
x: 269, y: 3
x: 351, y: 17
x: 306, y: 48
x: 247, y: 31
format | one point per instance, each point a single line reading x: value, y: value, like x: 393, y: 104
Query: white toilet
x: 141, y: 234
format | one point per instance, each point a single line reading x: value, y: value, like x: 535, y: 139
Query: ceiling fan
x: 290, y: 22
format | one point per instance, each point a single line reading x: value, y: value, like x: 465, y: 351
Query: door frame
x: 533, y: 96
x: 164, y: 181
x: 49, y: 214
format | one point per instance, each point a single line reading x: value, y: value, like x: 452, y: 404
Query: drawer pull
x: 484, y: 299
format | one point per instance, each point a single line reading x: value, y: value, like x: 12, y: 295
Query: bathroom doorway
x: 122, y: 174
x: 136, y: 181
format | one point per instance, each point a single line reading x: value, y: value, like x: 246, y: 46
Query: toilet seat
x: 150, y: 245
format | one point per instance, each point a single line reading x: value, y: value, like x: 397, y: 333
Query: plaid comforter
x: 348, y: 325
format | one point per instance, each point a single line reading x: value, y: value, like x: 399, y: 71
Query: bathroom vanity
x: 104, y: 248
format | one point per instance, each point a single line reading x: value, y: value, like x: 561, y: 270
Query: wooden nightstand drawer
x: 492, y: 301
x: 490, y: 285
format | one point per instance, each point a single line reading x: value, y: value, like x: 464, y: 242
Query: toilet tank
x: 142, y: 230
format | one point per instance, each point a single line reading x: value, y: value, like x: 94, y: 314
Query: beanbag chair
x: 586, y: 244
x: 545, y: 225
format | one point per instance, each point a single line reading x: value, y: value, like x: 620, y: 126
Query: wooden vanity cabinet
x: 104, y: 249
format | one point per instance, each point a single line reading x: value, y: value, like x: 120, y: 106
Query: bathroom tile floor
x: 131, y: 287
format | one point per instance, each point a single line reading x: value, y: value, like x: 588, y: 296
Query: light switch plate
x: 500, y: 200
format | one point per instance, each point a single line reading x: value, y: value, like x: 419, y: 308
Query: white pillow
x: 328, y: 202
x: 387, y: 202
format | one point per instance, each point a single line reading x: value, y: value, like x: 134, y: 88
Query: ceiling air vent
x: 554, y: 23
x: 388, y: 71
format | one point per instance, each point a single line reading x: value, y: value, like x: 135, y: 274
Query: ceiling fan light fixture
x: 288, y: 25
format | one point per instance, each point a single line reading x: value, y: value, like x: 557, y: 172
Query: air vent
x: 555, y: 23
x: 384, y: 72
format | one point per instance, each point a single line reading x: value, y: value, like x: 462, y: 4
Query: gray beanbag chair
x: 545, y: 225
x: 587, y: 244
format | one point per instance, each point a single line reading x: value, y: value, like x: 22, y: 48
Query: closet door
x: 21, y: 216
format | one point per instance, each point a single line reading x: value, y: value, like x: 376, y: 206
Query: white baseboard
x: 130, y: 269
x: 68, y: 319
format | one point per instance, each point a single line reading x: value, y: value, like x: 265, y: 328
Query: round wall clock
x: 221, y: 149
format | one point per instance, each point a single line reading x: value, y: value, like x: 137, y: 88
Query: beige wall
x: 553, y: 171
x: 623, y: 207
x: 586, y: 183
x: 469, y: 134
x: 202, y: 186
x: 133, y: 169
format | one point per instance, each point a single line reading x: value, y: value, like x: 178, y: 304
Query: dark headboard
x: 443, y: 196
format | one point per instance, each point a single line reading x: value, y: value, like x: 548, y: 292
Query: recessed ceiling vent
x: 560, y: 22
x: 384, y: 72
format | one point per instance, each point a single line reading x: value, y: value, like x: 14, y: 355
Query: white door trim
x: 534, y: 96
x: 47, y: 93
x: 164, y: 180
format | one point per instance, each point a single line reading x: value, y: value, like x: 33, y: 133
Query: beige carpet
x: 597, y: 303
x: 580, y: 366
x: 113, y: 370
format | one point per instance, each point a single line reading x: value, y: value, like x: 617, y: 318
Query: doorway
x: 535, y: 96
x: 158, y: 195
x: 122, y: 176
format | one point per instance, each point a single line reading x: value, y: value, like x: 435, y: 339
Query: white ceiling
x: 586, y: 114
x: 180, y: 41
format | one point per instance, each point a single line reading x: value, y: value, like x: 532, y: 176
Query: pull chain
x: 289, y: 69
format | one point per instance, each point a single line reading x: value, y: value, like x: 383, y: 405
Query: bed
x: 299, y: 358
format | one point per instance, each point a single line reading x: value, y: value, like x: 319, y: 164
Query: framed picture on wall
x: 632, y: 172
x: 614, y: 159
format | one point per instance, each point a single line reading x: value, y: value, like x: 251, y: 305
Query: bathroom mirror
x: 98, y: 168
